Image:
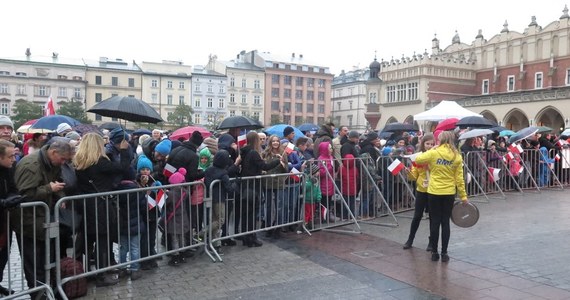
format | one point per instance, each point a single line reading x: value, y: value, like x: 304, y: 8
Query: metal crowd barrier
x: 398, y: 191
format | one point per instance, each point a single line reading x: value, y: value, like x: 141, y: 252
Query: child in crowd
x: 313, y: 195
x: 218, y: 171
x: 349, y: 175
x: 197, y: 194
x: 176, y: 219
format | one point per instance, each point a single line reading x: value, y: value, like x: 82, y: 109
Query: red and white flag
x: 557, y: 157
x: 49, y: 109
x: 290, y: 148
x: 395, y: 167
x: 495, y: 173
x: 295, y: 173
x: 561, y: 142
x: 515, y: 148
x: 241, y: 141
x: 168, y: 170
x: 507, y: 157
x: 161, y: 196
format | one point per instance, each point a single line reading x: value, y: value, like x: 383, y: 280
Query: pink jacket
x: 326, y: 164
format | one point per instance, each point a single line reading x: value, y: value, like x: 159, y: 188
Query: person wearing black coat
x: 96, y: 173
x: 250, y: 189
x: 186, y: 156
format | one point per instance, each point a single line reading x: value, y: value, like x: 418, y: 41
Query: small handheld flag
x: 395, y: 167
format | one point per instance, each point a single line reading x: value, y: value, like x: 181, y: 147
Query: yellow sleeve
x: 425, y: 158
x: 413, y: 174
x: 459, y: 180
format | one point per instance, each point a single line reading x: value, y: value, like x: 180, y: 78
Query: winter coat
x: 349, y: 175
x: 252, y: 164
x: 446, y: 171
x: 132, y: 207
x: 32, y: 178
x: 185, y: 156
x: 103, y: 175
x: 278, y: 182
x: 176, y: 218
x: 7, y: 188
x: 219, y: 171
x: 324, y: 134
x: 312, y: 191
x: 116, y: 155
x: 419, y: 174
x: 326, y: 165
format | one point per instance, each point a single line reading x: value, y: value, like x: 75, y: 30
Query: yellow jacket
x: 446, y: 171
x: 418, y: 173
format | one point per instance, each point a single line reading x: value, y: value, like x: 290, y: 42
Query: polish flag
x: 521, y: 169
x: 495, y: 173
x: 561, y: 143
x: 507, y: 157
x: 161, y: 196
x: 242, y: 141
x: 323, y: 212
x: 295, y: 173
x: 557, y: 157
x: 395, y: 167
x: 49, y: 108
x: 168, y: 170
x: 516, y: 149
x: 290, y: 148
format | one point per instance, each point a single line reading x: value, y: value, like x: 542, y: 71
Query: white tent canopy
x: 444, y: 110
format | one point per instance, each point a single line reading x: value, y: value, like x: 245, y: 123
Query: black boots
x: 252, y: 241
x: 408, y: 244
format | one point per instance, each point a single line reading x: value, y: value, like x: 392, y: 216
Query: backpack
x: 77, y: 287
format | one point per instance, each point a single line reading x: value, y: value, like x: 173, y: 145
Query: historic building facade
x: 516, y: 79
x: 208, y: 97
x: 349, y: 99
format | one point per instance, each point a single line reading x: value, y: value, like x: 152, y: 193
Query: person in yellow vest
x: 446, y: 180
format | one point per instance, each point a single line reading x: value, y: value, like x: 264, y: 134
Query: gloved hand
x: 11, y: 201
x: 157, y: 183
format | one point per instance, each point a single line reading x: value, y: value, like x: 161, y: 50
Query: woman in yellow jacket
x: 419, y: 173
x: 446, y: 180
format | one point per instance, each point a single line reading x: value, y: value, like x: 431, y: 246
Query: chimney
x: 300, y: 56
x: 293, y: 55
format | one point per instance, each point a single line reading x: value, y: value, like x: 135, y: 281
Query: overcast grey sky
x: 337, y: 34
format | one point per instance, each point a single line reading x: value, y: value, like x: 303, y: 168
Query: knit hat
x: 5, y: 121
x: 73, y: 135
x: 212, y: 145
x: 196, y: 138
x: 144, y: 162
x: 117, y: 135
x: 288, y: 130
x: 143, y: 138
x: 63, y: 128
x: 372, y: 136
x: 315, y: 169
x: 178, y: 176
x: 163, y: 147
x: 490, y: 142
x: 353, y: 134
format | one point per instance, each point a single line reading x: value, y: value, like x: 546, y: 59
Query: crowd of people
x: 349, y: 164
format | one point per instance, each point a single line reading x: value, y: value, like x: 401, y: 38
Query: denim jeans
x: 130, y: 244
x: 288, y: 208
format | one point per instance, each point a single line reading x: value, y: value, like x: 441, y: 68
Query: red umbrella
x: 26, y: 126
x: 447, y: 124
x: 186, y: 132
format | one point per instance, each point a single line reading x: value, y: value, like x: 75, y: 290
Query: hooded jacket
x: 326, y: 165
x: 324, y: 134
x: 446, y: 171
x: 252, y: 164
x: 218, y: 171
x: 185, y: 156
x: 349, y: 175
x: 205, y: 153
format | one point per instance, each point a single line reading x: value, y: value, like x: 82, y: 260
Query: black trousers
x: 440, y: 212
x: 33, y: 260
x: 421, y: 205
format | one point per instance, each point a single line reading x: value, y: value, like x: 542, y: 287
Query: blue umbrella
x: 308, y: 127
x: 523, y: 134
x: 278, y: 131
x: 51, y: 122
x: 506, y: 132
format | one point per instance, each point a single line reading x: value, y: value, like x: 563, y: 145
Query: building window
x: 287, y: 94
x: 485, y: 87
x: 298, y: 81
x: 181, y: 85
x: 154, y: 98
x: 62, y: 92
x: 197, y: 88
x: 373, y: 97
x: 180, y: 100
x: 350, y: 104
x: 288, y: 79
x: 4, y: 73
x: 338, y: 104
x: 275, y: 78
x: 310, y: 95
x: 310, y: 82
x: 42, y: 90
x: 568, y: 77
x: 21, y: 74
x: 275, y: 92
x: 257, y: 100
x: 154, y: 83
x: 255, y: 115
x: 510, y: 83
x: 287, y: 107
x: 321, y: 120
x: 222, y: 89
x: 243, y: 83
x: 310, y: 108
x: 197, y: 119
x: 390, y: 94
x: 5, y: 109
x: 538, y: 80
x: 3, y: 88
x: 321, y: 83
x: 232, y: 113
x: 131, y: 82
x: 256, y: 84
x: 401, y: 92
x: 232, y: 98
x: 413, y: 91
x: 98, y: 80
x: 349, y: 121
x: 77, y: 93
x: 298, y: 120
x: 210, y: 118
x: 98, y: 97
x: 321, y: 96
x: 310, y: 119
x: 244, y: 113
x: 169, y: 84
x: 21, y: 89
x: 321, y: 109
x: 221, y: 103
x: 298, y: 108
x: 197, y: 102
x: 115, y: 81
x: 210, y: 88
x: 232, y: 82
x: 169, y: 99
x: 275, y: 105
x: 298, y: 94
x: 244, y: 99
x: 210, y: 103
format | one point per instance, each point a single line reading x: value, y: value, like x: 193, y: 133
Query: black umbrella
x: 523, y: 134
x: 393, y: 127
x: 142, y: 131
x: 239, y: 122
x: 475, y: 122
x: 109, y: 125
x: 126, y: 108
x: 86, y: 128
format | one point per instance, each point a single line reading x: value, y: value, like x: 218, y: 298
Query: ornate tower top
x: 505, y: 27
x: 533, y: 21
x: 565, y: 11
x: 456, y: 39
